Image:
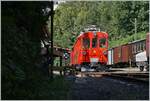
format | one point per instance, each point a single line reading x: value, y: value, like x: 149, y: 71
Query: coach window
x: 132, y: 49
x: 144, y: 46
x: 102, y: 42
x: 94, y: 42
x: 137, y: 47
x: 86, y: 43
x: 140, y: 48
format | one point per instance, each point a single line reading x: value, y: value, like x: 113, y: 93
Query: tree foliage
x: 114, y: 17
x: 23, y: 76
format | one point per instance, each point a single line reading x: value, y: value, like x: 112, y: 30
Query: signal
x: 66, y: 56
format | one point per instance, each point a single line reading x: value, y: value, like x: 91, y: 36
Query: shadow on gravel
x: 90, y: 88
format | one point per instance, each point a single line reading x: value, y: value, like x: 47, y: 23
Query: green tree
x: 114, y: 17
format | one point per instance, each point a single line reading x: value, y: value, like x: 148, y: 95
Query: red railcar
x: 90, y: 49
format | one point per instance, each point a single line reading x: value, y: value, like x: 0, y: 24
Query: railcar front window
x: 86, y: 43
x: 102, y: 43
x: 94, y: 42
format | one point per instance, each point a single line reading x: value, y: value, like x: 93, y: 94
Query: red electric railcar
x: 90, y: 49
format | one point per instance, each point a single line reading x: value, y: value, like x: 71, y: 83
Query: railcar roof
x: 136, y: 41
x: 82, y: 33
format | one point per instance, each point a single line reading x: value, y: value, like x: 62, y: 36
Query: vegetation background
x: 114, y: 17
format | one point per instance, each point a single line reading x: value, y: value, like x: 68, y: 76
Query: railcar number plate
x: 93, y: 59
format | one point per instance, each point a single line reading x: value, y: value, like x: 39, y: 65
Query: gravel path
x: 104, y: 88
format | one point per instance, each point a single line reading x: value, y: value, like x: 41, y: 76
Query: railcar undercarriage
x: 92, y: 67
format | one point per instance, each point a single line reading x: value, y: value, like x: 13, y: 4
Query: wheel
x: 102, y: 68
x: 83, y: 69
x: 147, y: 68
x: 141, y: 68
x: 107, y: 69
x: 78, y: 67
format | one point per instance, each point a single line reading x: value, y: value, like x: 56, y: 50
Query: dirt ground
x: 105, y: 88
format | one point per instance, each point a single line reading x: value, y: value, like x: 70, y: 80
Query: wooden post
x: 130, y: 62
x: 51, y: 38
x: 130, y: 66
x: 81, y: 73
x: 60, y: 61
x: 61, y: 65
x: 64, y: 70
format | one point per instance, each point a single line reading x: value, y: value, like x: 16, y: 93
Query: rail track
x: 131, y: 76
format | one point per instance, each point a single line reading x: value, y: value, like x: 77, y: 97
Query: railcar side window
x: 102, y: 42
x: 94, y: 42
x: 86, y: 43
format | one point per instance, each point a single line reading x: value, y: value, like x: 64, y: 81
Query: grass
x: 41, y: 89
x: 56, y: 89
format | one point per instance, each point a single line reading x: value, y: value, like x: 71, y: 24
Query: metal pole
x: 60, y: 65
x: 135, y: 26
x: 51, y: 38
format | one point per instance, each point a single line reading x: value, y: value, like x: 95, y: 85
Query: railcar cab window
x: 94, y: 42
x: 72, y: 49
x: 86, y: 43
x: 102, y: 43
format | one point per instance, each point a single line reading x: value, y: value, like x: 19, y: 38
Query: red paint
x: 80, y: 53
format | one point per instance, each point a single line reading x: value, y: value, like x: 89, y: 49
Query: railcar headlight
x: 105, y: 52
x: 94, y: 51
x: 84, y: 52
